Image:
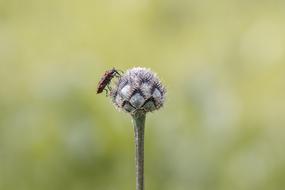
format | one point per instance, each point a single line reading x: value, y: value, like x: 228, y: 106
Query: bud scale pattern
x: 139, y: 89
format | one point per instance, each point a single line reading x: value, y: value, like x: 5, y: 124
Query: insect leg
x: 118, y: 73
x: 106, y: 92
x: 109, y: 88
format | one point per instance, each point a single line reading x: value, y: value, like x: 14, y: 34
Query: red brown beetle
x: 106, y: 79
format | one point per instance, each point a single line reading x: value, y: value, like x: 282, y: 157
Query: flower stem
x: 139, y: 124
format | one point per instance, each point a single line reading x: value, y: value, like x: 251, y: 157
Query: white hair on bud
x: 138, y: 89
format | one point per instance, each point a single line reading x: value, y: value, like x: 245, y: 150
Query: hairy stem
x: 139, y: 123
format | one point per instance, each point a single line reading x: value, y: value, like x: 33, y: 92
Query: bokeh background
x: 222, y: 127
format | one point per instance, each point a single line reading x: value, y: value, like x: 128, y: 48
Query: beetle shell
x: 106, y: 79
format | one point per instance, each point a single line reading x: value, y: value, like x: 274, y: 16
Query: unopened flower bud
x: 139, y: 89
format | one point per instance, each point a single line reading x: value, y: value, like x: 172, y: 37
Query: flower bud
x: 139, y: 89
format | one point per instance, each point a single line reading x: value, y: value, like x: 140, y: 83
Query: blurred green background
x: 222, y: 127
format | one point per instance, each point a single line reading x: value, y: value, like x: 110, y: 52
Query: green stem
x: 139, y: 123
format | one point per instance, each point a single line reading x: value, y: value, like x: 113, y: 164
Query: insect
x: 106, y: 79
